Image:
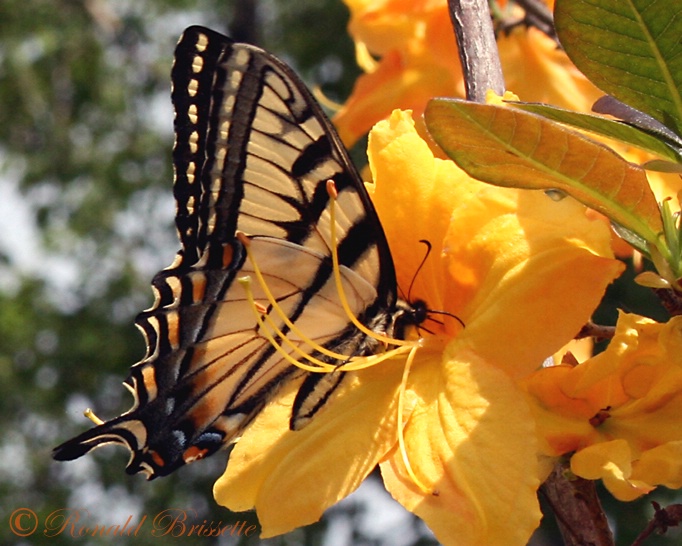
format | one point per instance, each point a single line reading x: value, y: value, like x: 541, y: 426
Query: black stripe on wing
x: 269, y: 152
x: 265, y: 178
x: 196, y: 56
x: 253, y: 153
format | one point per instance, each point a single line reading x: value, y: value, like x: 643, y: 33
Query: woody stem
x: 477, y: 48
x: 577, y: 508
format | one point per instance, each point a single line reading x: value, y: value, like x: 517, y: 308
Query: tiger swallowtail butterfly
x: 253, y: 154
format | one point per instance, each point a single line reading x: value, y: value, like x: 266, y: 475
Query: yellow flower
x: 524, y: 273
x: 620, y: 411
x: 419, y: 60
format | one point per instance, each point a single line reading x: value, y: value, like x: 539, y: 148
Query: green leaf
x: 662, y: 166
x: 611, y: 106
x: 606, y: 127
x: 508, y: 147
x: 629, y: 48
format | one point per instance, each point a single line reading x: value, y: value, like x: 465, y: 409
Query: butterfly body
x: 253, y: 156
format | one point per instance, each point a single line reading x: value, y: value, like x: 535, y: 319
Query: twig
x: 538, y: 16
x: 477, y: 48
x: 597, y: 331
x: 245, y: 26
x: 671, y: 300
x: 671, y: 516
x: 577, y: 509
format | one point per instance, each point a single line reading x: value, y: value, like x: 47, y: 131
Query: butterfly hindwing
x: 253, y: 154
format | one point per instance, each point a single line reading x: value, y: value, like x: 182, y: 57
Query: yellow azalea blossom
x: 418, y: 60
x: 524, y: 273
x: 620, y: 411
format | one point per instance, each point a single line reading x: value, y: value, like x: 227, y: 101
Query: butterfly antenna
x: 414, y: 277
x: 432, y: 312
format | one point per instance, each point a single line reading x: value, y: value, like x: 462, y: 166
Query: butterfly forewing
x: 253, y: 154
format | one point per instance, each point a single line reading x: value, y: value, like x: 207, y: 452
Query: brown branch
x: 597, y: 331
x: 245, y: 25
x: 671, y: 300
x: 671, y: 516
x: 577, y: 508
x: 539, y: 16
x: 477, y: 48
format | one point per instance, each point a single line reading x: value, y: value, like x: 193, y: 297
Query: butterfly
x: 254, y: 157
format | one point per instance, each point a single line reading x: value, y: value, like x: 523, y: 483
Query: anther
x: 91, y: 415
x: 331, y: 190
x: 263, y: 317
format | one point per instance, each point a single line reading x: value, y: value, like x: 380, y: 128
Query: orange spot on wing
x: 228, y: 254
x: 158, y: 460
x: 193, y: 454
x: 198, y: 287
x: 149, y: 380
x: 172, y: 319
x: 205, y: 411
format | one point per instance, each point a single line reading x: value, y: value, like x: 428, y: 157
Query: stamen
x: 352, y: 363
x: 277, y: 308
x: 401, y: 437
x: 262, y: 318
x: 333, y: 193
x: 278, y: 339
x: 91, y: 415
x: 361, y: 362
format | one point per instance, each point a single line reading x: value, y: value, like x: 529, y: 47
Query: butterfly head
x: 410, y: 317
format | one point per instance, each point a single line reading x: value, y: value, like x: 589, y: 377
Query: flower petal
x: 290, y: 478
x: 419, y: 61
x: 375, y: 95
x: 612, y: 463
x: 538, y: 71
x: 526, y: 279
x: 620, y: 410
x: 471, y: 437
x: 661, y: 465
x: 498, y: 255
x: 412, y: 188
